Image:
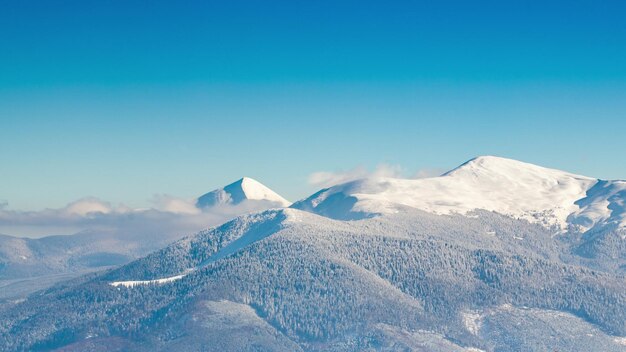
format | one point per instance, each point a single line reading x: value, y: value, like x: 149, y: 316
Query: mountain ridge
x: 323, y: 284
x: 542, y: 195
x: 405, y: 278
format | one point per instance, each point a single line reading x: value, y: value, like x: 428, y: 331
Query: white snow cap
x: 241, y: 190
x: 510, y: 187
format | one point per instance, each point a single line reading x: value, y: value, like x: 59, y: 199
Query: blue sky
x: 122, y: 100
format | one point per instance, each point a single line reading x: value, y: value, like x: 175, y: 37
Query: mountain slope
x: 412, y: 279
x: 240, y: 191
x: 30, y: 264
x: 521, y: 190
x: 448, y: 263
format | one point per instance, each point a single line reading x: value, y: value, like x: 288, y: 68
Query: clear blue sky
x: 124, y: 99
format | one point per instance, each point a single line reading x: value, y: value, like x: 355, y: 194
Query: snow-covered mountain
x: 244, y: 189
x: 509, y: 187
x: 30, y: 264
x: 289, y: 280
x: 468, y: 261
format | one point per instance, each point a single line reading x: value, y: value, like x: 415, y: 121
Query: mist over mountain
x: 495, y: 255
x: 113, y: 236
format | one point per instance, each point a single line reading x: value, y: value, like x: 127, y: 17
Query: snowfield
x: 147, y: 282
x: 239, y: 191
x: 513, y: 188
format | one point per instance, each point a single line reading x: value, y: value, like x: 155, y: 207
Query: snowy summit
x: 510, y: 187
x: 239, y: 191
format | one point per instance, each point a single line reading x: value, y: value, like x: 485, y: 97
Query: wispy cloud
x: 176, y: 205
x: 428, y: 172
x: 331, y: 178
x: 325, y: 179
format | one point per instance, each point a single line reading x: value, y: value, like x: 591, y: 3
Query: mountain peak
x: 510, y: 187
x: 510, y: 168
x: 245, y: 188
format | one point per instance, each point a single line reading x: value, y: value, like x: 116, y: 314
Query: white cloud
x: 169, y: 216
x: 171, y: 204
x: 326, y: 179
x: 426, y: 173
x: 87, y: 206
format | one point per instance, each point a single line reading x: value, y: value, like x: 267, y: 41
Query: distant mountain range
x: 495, y: 255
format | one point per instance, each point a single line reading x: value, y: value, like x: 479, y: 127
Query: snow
x: 271, y: 222
x: 605, y: 202
x: 258, y: 227
x: 620, y: 341
x: 239, y: 191
x: 256, y: 191
x: 147, y: 282
x: 472, y: 322
x: 521, y: 190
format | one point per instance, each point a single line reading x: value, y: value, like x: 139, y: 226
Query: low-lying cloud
x: 171, y: 204
x: 169, y: 216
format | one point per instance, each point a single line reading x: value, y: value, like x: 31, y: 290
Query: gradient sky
x: 125, y: 99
